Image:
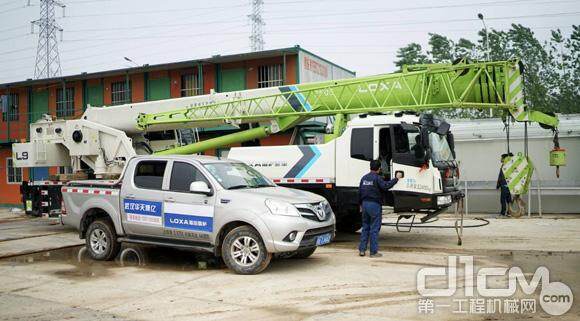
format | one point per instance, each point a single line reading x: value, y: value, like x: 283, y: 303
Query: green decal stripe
x: 516, y: 162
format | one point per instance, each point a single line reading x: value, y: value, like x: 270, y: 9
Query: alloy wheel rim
x: 99, y: 241
x: 245, y: 251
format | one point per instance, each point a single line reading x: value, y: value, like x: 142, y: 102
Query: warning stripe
x: 93, y: 191
x: 515, y: 92
x: 517, y: 172
x: 303, y: 180
x: 36, y: 183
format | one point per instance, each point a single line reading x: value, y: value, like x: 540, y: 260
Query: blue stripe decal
x: 310, y: 162
x: 188, y: 222
x: 301, y: 98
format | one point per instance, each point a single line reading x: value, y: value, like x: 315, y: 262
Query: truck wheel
x: 244, y: 252
x: 349, y: 223
x: 304, y: 253
x: 101, y: 241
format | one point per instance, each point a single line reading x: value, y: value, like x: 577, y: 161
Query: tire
x: 101, y: 241
x: 244, y: 251
x: 304, y: 253
x: 349, y: 223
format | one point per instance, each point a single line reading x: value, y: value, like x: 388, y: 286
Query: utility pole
x: 47, y: 59
x: 487, y: 52
x: 257, y: 36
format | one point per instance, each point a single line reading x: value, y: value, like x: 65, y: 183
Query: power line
x: 359, y: 26
x: 452, y: 6
x: 16, y: 8
x: 9, y: 2
x: 331, y: 27
x: 230, y: 20
x: 13, y: 28
x: 14, y: 51
x: 153, y: 11
x: 161, y: 51
x: 156, y: 25
x: 17, y: 36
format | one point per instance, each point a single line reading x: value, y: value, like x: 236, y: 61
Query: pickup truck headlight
x: 326, y: 206
x: 277, y: 207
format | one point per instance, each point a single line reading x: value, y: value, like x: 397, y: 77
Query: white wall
x: 480, y: 144
x: 314, y: 69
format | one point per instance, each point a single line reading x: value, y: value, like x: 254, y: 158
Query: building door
x: 233, y: 79
x: 38, y: 107
x: 159, y: 89
x: 95, y: 95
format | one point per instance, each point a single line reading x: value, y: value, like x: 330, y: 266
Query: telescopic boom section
x: 495, y: 85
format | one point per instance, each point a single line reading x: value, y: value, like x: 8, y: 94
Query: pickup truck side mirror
x: 200, y: 187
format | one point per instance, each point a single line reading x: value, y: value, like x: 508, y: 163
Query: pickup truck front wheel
x: 101, y: 241
x: 244, y: 251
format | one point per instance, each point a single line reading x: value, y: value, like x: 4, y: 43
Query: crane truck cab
x: 420, y: 147
x: 199, y: 203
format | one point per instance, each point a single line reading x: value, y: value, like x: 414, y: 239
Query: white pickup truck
x: 201, y: 203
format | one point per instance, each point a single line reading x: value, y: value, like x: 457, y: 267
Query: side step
x: 183, y: 244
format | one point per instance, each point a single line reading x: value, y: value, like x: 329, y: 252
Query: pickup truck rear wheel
x: 101, y: 241
x: 244, y: 251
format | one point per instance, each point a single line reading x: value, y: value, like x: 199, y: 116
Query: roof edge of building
x: 146, y: 68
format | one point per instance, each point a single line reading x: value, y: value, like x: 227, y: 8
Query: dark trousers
x: 504, y: 198
x: 371, y: 225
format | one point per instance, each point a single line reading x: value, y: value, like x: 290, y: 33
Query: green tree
x: 410, y: 55
x: 551, y: 69
x: 523, y: 44
x: 442, y: 48
x: 564, y: 72
x: 464, y: 48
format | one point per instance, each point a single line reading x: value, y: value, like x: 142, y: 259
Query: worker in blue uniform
x: 505, y: 197
x: 371, y: 187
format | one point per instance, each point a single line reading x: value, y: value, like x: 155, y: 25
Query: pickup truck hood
x: 291, y: 195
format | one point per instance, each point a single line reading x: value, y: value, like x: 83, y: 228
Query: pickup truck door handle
x: 130, y: 196
x: 170, y: 200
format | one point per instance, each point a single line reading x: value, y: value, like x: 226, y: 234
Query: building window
x: 13, y: 174
x: 120, y: 93
x: 9, y: 105
x: 65, y: 102
x: 64, y: 170
x: 270, y: 76
x: 190, y: 85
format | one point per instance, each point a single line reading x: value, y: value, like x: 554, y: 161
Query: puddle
x: 146, y: 257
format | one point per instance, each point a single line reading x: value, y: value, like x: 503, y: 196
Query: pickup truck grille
x: 318, y: 212
x: 309, y: 238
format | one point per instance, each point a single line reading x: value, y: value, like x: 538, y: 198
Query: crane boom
x: 496, y: 85
x: 466, y: 85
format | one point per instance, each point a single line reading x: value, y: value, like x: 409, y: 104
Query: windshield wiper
x: 263, y: 185
x: 238, y: 186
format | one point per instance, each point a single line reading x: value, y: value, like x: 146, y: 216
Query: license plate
x: 323, y: 239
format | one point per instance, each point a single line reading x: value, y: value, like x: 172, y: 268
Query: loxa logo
x: 555, y: 297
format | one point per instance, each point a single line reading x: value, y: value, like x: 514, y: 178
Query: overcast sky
x: 360, y: 35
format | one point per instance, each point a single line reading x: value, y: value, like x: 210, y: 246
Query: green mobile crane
x: 420, y: 88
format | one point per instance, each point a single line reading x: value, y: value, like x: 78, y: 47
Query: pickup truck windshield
x: 237, y: 175
x: 440, y: 148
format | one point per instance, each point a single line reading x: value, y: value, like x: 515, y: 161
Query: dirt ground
x: 333, y: 284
